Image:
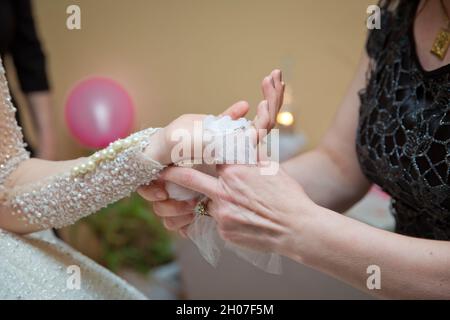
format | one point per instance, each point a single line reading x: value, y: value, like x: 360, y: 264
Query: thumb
x: 237, y: 110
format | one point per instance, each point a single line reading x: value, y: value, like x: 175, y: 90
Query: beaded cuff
x: 105, y: 177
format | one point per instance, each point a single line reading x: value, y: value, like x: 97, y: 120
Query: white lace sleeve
x: 60, y: 200
x: 12, y: 147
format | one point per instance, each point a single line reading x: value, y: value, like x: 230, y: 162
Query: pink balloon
x: 99, y: 111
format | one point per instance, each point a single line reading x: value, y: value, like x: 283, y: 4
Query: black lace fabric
x: 403, y: 138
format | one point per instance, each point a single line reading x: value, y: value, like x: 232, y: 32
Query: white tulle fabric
x: 203, y: 230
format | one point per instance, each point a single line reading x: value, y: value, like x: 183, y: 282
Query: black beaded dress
x: 403, y: 137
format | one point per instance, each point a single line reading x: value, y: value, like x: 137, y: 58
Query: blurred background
x: 200, y: 56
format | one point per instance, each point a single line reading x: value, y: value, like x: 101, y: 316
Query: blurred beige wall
x: 199, y: 56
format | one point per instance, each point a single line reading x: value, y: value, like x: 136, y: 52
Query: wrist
x: 304, y: 232
x: 159, y: 149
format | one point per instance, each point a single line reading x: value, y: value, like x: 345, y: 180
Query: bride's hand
x: 178, y: 214
x: 273, y: 91
x: 164, y: 141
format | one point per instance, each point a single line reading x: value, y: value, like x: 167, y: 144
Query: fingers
x: 277, y: 77
x: 173, y: 208
x: 273, y: 91
x: 178, y: 223
x: 237, y: 110
x: 262, y: 118
x: 153, y: 192
x: 194, y: 180
x: 279, y: 85
x: 176, y: 215
x: 271, y: 97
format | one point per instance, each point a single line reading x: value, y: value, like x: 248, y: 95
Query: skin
x: 295, y: 212
x: 41, y: 108
x: 35, y: 170
x: 178, y: 215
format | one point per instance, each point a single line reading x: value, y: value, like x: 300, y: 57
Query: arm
x: 40, y: 105
x: 41, y: 194
x: 37, y: 194
x: 29, y: 60
x: 410, y: 268
x: 333, y: 178
x: 273, y: 213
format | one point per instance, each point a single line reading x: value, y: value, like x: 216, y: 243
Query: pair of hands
x: 251, y: 210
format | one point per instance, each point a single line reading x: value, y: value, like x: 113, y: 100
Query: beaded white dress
x: 40, y: 266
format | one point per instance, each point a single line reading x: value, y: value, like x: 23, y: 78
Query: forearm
x: 42, y: 194
x: 324, y: 181
x: 41, y: 108
x: 30, y: 172
x: 345, y: 248
x: 330, y: 174
x: 40, y: 105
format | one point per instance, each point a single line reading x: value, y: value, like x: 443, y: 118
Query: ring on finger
x: 200, y: 207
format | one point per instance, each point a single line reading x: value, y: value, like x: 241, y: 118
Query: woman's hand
x: 272, y: 213
x: 185, y: 124
x: 263, y: 212
x: 177, y: 215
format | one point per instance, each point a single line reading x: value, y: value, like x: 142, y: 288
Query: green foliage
x: 131, y: 235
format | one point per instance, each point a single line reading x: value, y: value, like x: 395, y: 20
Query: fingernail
x: 160, y: 195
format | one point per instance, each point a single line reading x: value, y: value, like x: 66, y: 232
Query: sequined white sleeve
x: 62, y: 199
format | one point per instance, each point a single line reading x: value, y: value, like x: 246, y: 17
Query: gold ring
x: 200, y: 207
